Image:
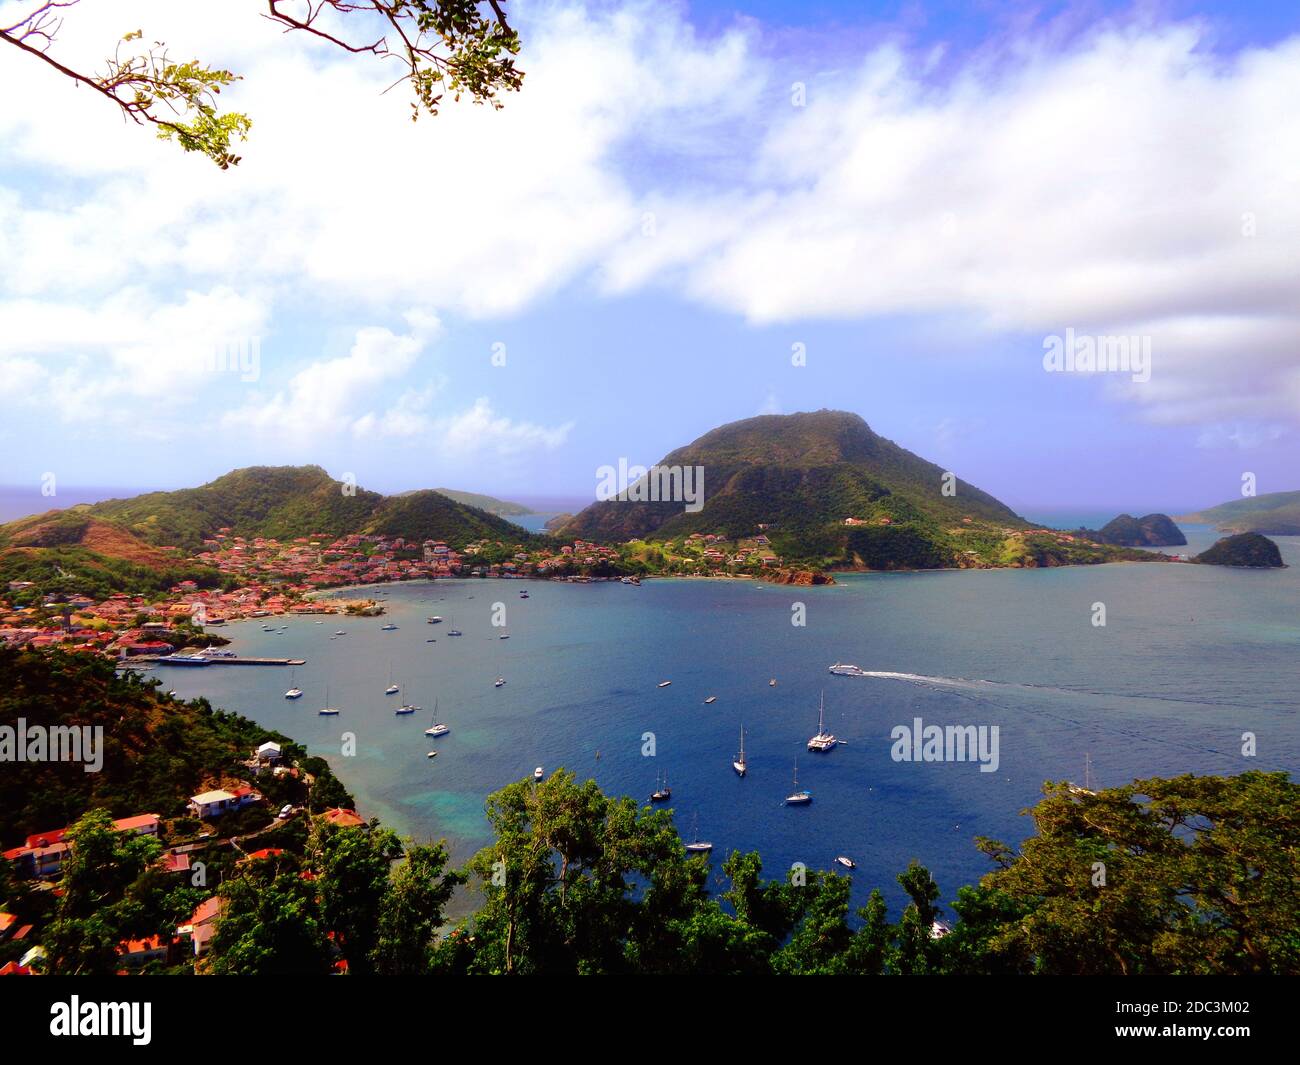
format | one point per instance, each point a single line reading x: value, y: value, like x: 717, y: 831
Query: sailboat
x: 1087, y: 779
x: 823, y: 741
x: 738, y: 763
x: 662, y: 792
x: 392, y: 688
x: 453, y: 631
x: 798, y: 797
x: 327, y: 711
x: 696, y: 846
x: 294, y: 691
x: 436, y: 728
x: 499, y: 682
x: 772, y: 683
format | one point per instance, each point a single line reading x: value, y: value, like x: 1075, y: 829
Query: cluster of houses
x: 716, y: 552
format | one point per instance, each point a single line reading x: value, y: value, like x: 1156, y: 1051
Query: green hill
x: 800, y: 473
x: 803, y: 475
x: 141, y: 544
x: 1273, y: 514
x: 285, y: 502
x: 1245, y: 549
x: 500, y: 507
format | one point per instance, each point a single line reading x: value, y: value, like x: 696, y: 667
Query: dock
x: 213, y: 660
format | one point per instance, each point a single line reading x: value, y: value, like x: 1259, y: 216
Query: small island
x: 1250, y: 549
x: 1153, y: 530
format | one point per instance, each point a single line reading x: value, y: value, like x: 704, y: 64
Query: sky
x: 691, y: 214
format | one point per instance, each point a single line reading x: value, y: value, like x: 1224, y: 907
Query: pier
x: 213, y: 660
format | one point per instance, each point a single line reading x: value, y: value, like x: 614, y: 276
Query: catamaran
x: 294, y: 691
x: 436, y: 728
x: 738, y: 763
x: 798, y: 797
x: 823, y: 741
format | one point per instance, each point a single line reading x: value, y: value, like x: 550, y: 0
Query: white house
x: 215, y: 803
x: 269, y: 752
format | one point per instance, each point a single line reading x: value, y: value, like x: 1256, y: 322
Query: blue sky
x: 918, y: 194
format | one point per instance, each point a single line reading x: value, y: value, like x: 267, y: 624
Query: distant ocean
x: 1189, y: 659
x: 18, y: 501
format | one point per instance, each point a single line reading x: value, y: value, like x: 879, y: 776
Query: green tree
x: 269, y: 925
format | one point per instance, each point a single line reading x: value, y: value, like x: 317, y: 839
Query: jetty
x: 214, y: 660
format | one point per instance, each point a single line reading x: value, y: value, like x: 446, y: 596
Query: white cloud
x: 322, y: 398
x: 479, y: 430
x: 1109, y: 187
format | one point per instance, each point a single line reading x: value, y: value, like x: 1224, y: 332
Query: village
x: 262, y: 577
x: 234, y: 823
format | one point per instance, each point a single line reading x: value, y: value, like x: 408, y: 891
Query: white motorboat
x: 841, y: 669
x: 846, y: 861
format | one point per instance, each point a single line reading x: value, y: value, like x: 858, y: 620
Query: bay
x: 1190, y: 658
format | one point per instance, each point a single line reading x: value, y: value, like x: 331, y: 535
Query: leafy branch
x: 460, y: 47
x: 456, y: 46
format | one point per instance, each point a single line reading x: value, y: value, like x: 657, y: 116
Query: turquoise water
x: 1190, y: 658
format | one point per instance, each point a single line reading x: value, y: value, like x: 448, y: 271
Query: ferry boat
x: 823, y: 741
x: 843, y: 669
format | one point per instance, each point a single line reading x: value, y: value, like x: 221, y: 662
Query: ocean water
x: 1190, y: 658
